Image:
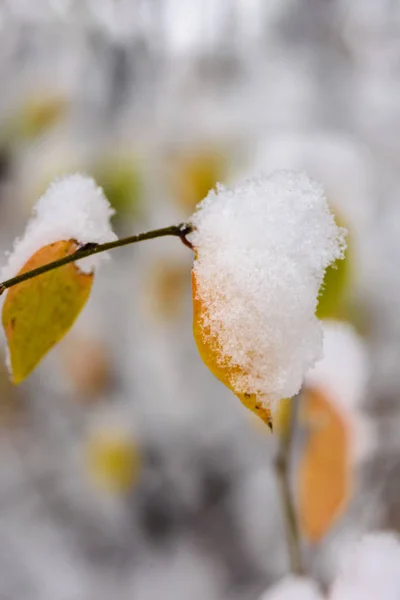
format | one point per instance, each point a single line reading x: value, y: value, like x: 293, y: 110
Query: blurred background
x: 126, y: 470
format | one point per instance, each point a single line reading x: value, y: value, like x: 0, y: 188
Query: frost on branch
x: 73, y: 208
x: 262, y: 248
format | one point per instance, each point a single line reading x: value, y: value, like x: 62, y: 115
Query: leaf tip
x: 17, y: 378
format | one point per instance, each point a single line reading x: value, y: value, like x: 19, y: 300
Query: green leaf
x: 332, y: 297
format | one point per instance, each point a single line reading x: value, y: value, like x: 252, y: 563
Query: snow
x: 293, y: 588
x: 370, y: 570
x: 341, y: 163
x: 344, y: 365
x: 342, y: 376
x: 262, y: 248
x: 73, y: 207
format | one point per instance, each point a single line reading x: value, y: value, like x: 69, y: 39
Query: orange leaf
x: 165, y: 291
x: 195, y: 174
x: 220, y: 364
x: 324, y: 476
x: 87, y: 365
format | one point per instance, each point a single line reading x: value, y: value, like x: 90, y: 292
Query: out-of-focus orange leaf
x: 195, y: 174
x: 166, y: 286
x: 38, y: 312
x: 40, y: 114
x: 87, y: 364
x: 324, y: 476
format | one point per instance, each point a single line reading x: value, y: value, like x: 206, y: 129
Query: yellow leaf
x: 324, y: 477
x: 112, y: 460
x: 195, y: 174
x: 38, y: 312
x: 282, y: 417
x: 40, y: 114
x: 219, y: 364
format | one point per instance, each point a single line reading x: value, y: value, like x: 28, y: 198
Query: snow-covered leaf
x: 262, y: 248
x: 38, y: 312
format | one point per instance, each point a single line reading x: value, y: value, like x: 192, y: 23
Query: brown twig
x: 282, y: 469
x: 181, y: 231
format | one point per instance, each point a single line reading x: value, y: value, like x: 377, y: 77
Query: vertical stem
x: 282, y: 468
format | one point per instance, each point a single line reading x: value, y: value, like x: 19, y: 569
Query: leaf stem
x: 181, y: 231
x: 282, y: 469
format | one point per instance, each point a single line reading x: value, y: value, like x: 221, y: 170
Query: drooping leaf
x: 38, y: 312
x: 219, y: 364
x: 324, y: 477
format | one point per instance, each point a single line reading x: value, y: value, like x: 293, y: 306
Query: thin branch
x: 181, y: 231
x: 282, y: 468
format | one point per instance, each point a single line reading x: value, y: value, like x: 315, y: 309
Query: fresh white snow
x: 370, y: 569
x: 73, y: 207
x: 262, y: 249
x: 293, y: 588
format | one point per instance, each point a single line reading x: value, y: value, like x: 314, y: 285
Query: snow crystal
x: 73, y: 207
x: 293, y: 588
x: 371, y: 570
x: 262, y: 250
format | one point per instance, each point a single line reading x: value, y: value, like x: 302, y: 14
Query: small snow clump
x: 262, y: 248
x: 371, y: 570
x: 73, y: 207
x: 293, y: 588
x: 342, y: 377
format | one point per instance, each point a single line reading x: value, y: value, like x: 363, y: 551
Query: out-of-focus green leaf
x: 334, y: 290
